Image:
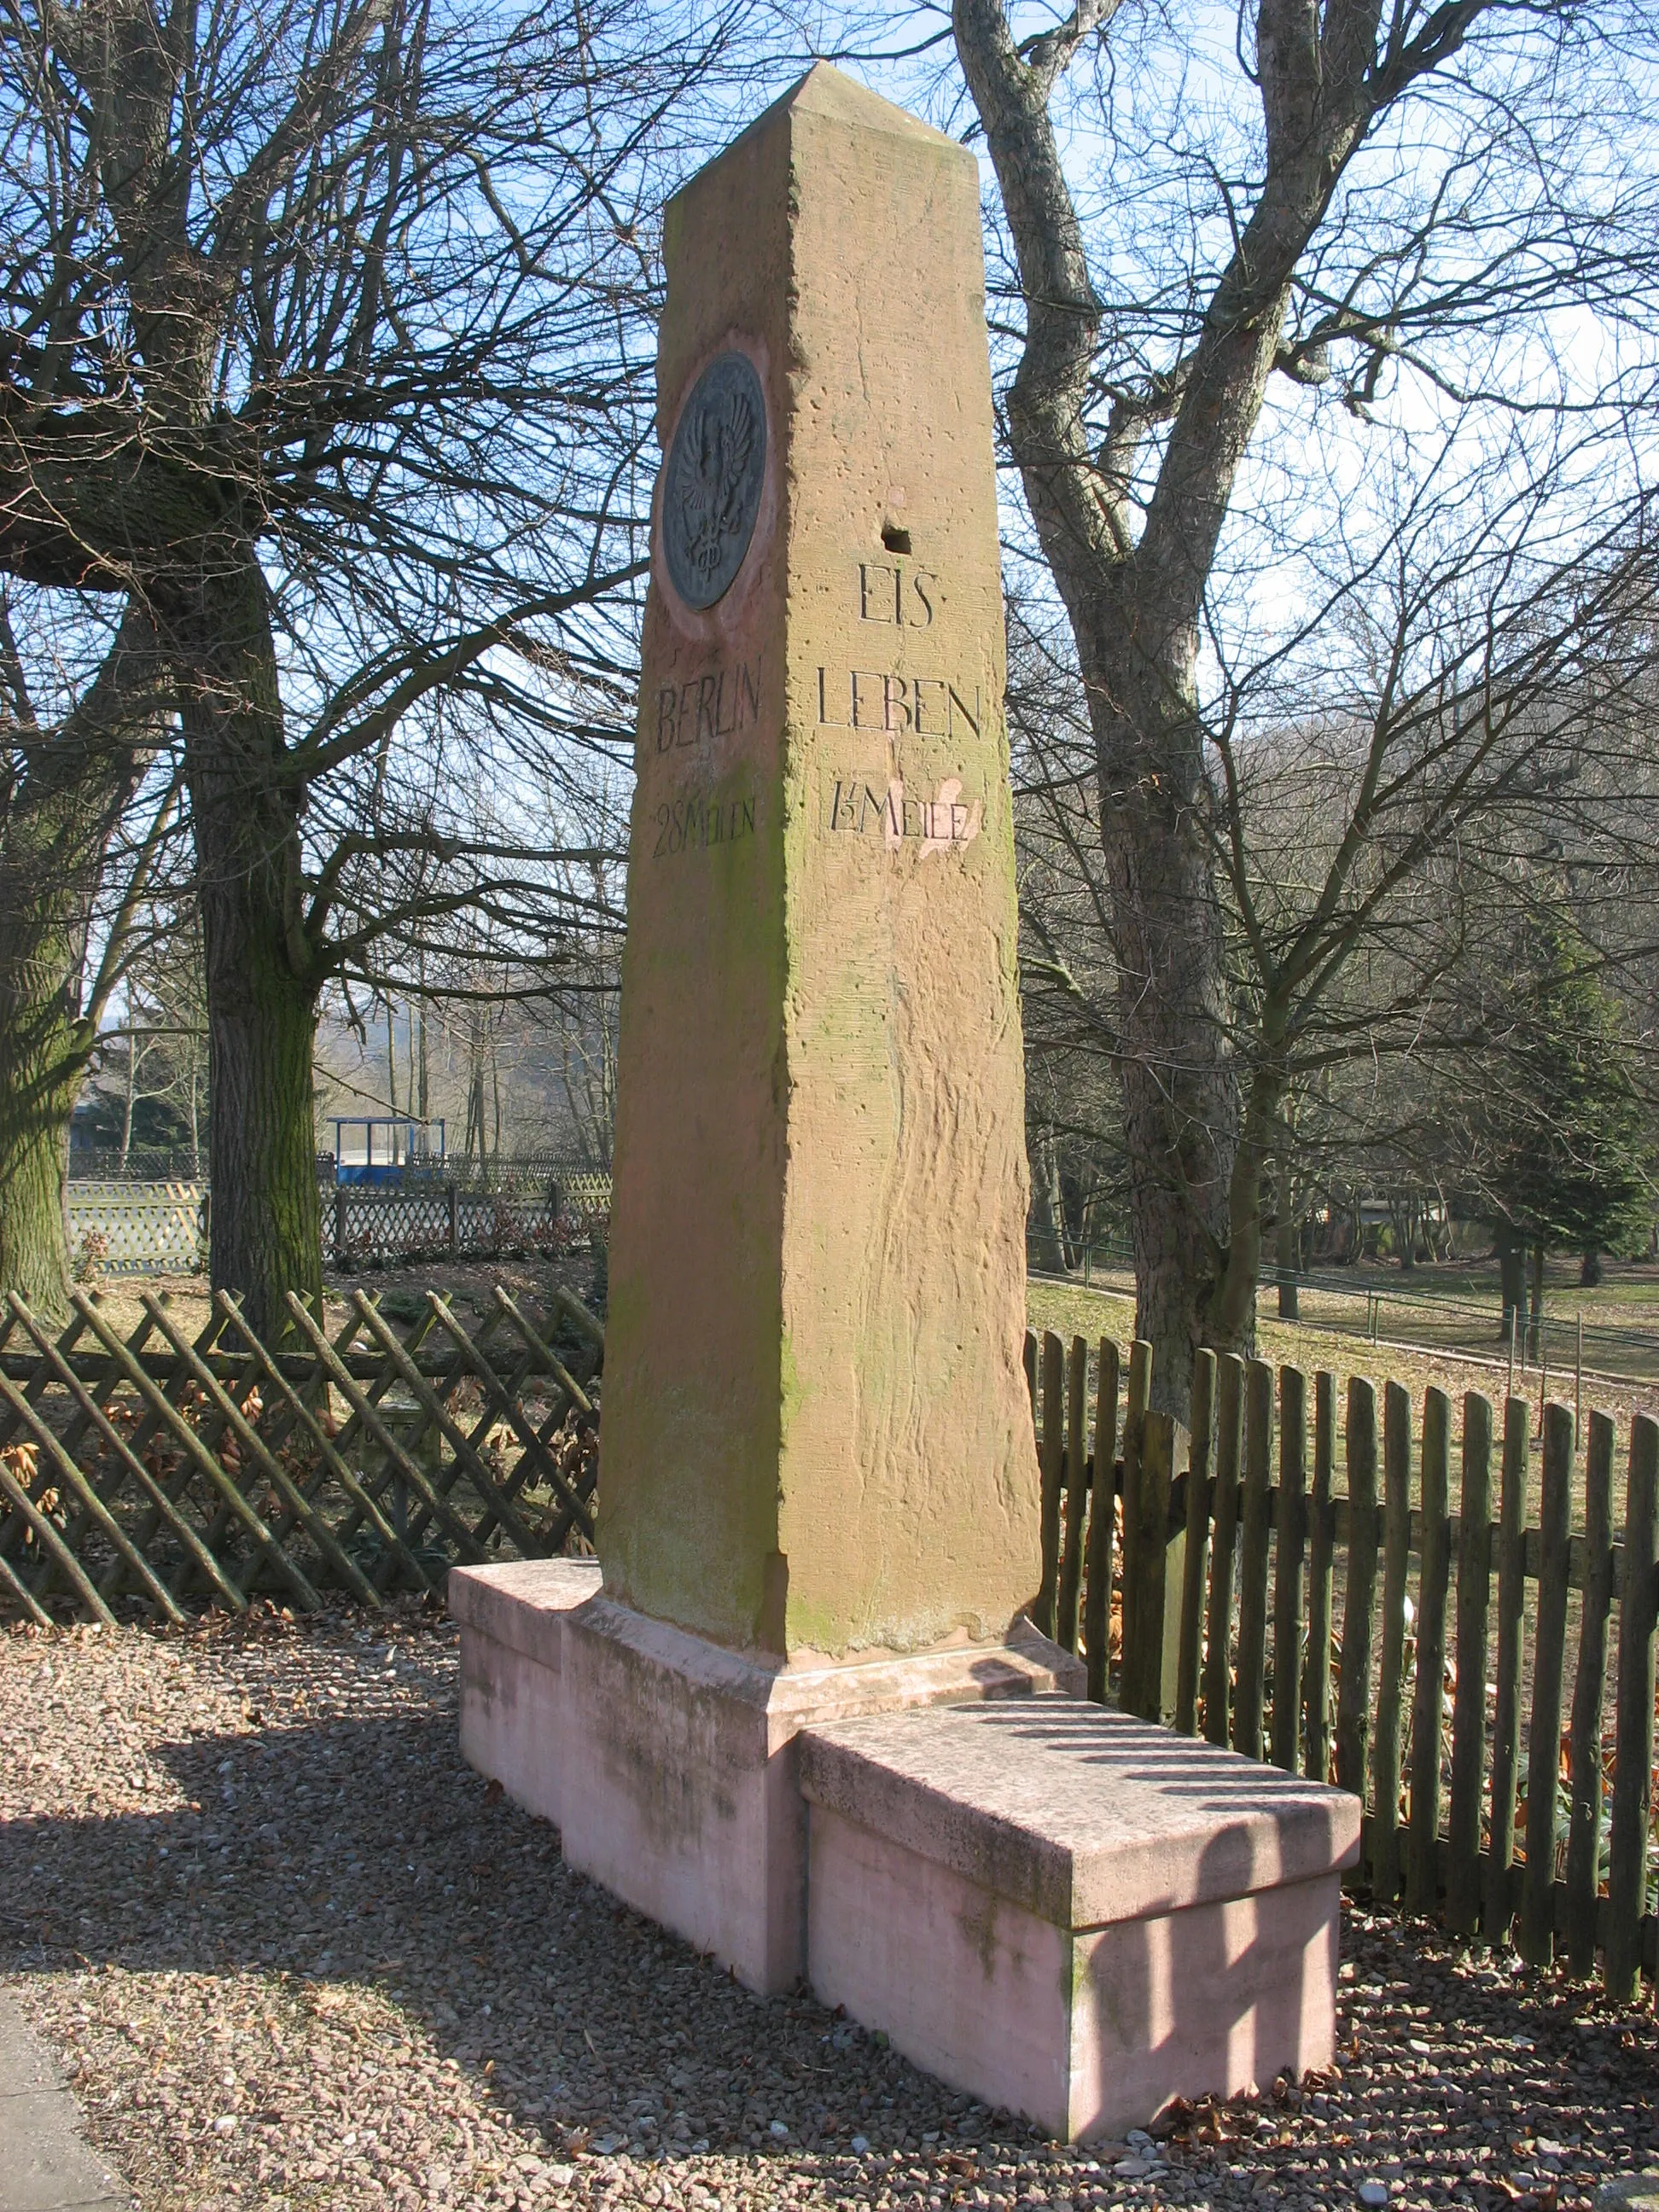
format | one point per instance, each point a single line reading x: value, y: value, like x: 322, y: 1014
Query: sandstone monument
x: 815, y: 1427
x: 803, y: 1720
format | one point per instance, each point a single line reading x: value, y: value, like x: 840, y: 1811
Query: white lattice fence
x: 159, y: 1228
x: 360, y: 1226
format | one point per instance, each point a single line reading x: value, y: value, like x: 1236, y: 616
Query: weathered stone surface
x: 1080, y: 1815
x: 816, y: 1430
x: 1069, y: 1912
x: 668, y: 1761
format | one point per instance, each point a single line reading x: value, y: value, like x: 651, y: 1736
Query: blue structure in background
x: 386, y: 1148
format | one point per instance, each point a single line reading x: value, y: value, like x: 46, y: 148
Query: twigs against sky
x: 329, y: 343
x: 1270, y: 306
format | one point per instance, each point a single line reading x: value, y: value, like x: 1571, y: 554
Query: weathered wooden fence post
x: 1589, y: 1695
x: 1289, y: 1543
x: 1321, y: 1544
x: 1353, y: 1706
x: 1429, y: 1703
x: 1387, y: 1750
x: 1148, y: 1652
x: 1076, y: 1492
x: 1536, y: 1939
x: 1469, y: 1706
x: 1196, y: 1556
x: 1229, y: 1462
x: 1103, y: 1514
x: 1633, y: 1785
x: 1248, y: 1687
x: 1506, y: 1720
x: 1054, y: 1469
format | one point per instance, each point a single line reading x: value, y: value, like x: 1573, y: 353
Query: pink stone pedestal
x: 1072, y: 1913
x: 668, y: 1764
x: 1058, y: 1909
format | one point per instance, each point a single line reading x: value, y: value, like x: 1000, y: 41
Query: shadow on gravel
x: 367, y: 1851
x: 363, y: 1850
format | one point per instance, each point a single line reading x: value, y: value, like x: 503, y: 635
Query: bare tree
x: 1375, y: 212
x: 327, y: 347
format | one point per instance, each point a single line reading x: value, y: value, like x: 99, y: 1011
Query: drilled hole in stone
x: 895, y: 539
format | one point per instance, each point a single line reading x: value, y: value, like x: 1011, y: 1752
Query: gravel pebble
x: 294, y: 1953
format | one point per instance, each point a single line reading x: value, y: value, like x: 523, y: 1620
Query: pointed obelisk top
x: 830, y: 92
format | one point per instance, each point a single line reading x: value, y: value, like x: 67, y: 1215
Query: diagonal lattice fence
x: 150, y: 1472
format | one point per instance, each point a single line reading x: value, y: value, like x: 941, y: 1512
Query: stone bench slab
x: 1078, y: 1814
x: 1072, y: 1913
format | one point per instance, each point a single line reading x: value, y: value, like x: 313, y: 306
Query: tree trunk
x: 266, y: 1230
x: 132, y: 1090
x: 53, y: 836
x: 1589, y: 1271
x: 44, y: 1069
x: 1536, y: 1332
x: 1512, y: 1279
x: 1284, y: 1255
x: 1045, y: 1198
x: 1133, y: 565
x: 1195, y: 1216
x: 426, y: 1071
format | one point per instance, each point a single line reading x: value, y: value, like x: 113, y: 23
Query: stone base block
x: 669, y: 1764
x: 512, y: 1620
x: 1072, y: 1913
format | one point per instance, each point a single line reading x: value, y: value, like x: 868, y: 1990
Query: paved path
x: 44, y: 2165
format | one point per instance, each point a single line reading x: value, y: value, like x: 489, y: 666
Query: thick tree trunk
x: 44, y: 1064
x: 53, y: 837
x: 266, y: 1238
x: 43, y: 1057
x: 1512, y: 1280
x: 1180, y: 1095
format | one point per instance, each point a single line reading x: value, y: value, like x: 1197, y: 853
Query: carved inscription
x: 892, y: 595
x: 869, y: 699
x: 877, y: 806
x: 695, y: 823
x: 719, y: 703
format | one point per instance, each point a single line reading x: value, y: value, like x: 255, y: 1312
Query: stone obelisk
x: 775, y: 1727
x: 816, y: 1435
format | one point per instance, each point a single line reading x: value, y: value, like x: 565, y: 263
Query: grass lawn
x: 1329, y: 1332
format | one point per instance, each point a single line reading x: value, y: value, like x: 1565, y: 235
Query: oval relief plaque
x: 712, y: 486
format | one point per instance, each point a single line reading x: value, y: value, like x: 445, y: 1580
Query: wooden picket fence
x: 154, y: 1471
x: 1223, y: 1583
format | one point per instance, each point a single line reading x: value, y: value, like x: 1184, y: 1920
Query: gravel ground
x: 295, y: 1954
